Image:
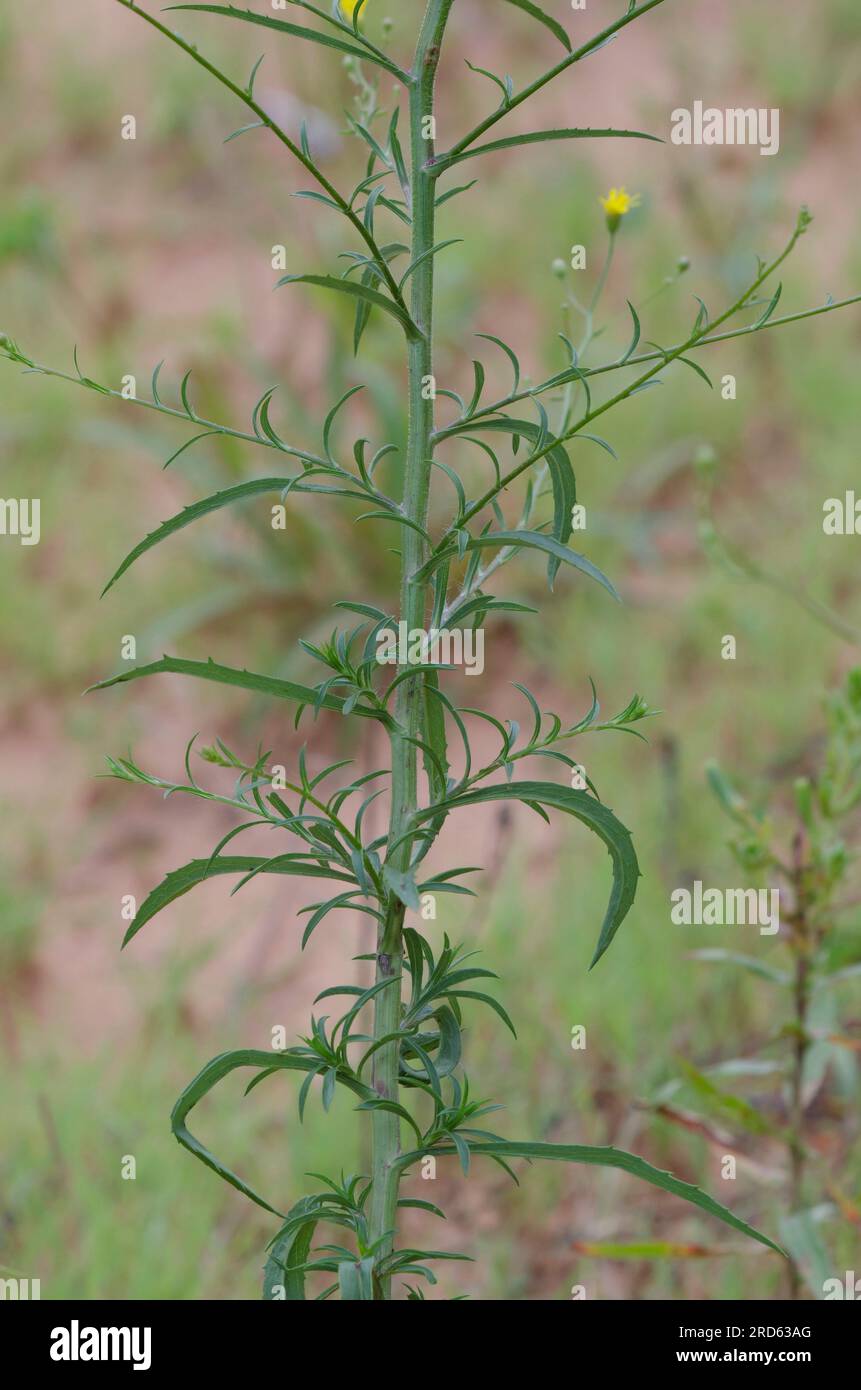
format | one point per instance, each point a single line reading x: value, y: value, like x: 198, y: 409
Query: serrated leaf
x: 180, y: 881
x: 356, y: 290
x: 536, y: 137
x: 297, y: 31
x: 245, y: 680
x: 607, y: 1158
x: 215, y: 1071
x: 255, y: 488
x: 524, y: 540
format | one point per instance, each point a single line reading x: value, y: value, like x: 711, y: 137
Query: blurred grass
x: 160, y: 249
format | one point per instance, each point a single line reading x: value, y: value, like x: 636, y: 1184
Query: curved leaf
x: 197, y: 509
x: 297, y: 31
x: 356, y: 290
x: 594, y: 814
x: 215, y: 1071
x: 245, y: 680
x: 181, y: 881
x: 528, y: 540
x: 544, y: 19
x: 289, y: 1253
x: 606, y: 1158
x: 561, y: 476
x: 535, y: 137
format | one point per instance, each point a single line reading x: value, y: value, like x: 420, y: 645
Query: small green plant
x: 406, y: 1072
x: 808, y: 1062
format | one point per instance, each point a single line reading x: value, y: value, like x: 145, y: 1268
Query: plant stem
x: 387, y: 1010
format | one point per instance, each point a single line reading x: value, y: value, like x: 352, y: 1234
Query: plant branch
x: 207, y: 426
x: 266, y: 120
x: 564, y: 377
x: 665, y: 358
x: 568, y: 61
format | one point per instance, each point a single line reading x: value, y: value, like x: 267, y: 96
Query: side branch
x: 665, y: 358
x: 266, y: 120
x: 568, y: 61
x: 640, y: 359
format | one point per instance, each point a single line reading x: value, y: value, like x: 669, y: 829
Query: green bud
x: 805, y: 217
x: 559, y: 268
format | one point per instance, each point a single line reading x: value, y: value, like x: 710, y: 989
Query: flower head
x: 617, y: 205
x: 348, y: 7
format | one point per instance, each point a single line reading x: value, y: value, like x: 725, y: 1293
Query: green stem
x: 387, y: 1010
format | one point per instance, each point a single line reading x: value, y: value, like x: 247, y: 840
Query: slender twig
x: 637, y: 360
x: 665, y: 359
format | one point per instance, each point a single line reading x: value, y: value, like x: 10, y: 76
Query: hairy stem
x: 386, y: 1127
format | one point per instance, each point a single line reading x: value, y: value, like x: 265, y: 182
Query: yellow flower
x: 618, y: 204
x: 348, y: 8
